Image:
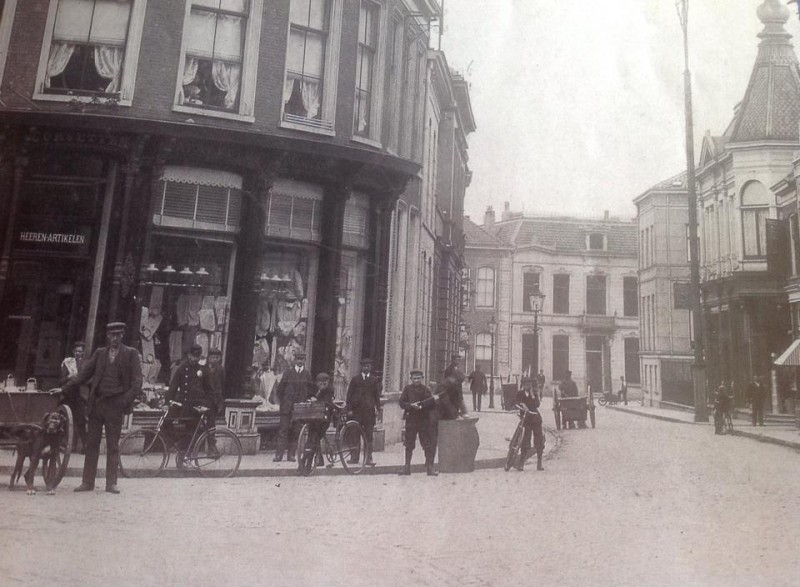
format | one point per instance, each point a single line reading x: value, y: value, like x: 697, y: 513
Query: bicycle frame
x: 168, y: 436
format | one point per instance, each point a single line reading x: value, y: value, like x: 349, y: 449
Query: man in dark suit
x: 114, y: 374
x: 364, y: 399
x: 758, y: 393
x: 296, y: 385
x: 421, y: 415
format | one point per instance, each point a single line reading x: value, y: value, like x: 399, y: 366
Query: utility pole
x: 698, y: 366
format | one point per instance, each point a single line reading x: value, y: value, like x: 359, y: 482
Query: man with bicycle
x: 420, y: 415
x: 191, y: 385
x: 532, y: 424
x: 316, y: 430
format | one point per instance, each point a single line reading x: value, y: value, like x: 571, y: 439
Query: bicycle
x: 347, y: 447
x: 727, y: 422
x: 215, y: 452
x: 515, y: 445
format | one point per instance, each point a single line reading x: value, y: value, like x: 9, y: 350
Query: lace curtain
x: 108, y: 61
x: 309, y: 94
x: 189, y: 75
x: 226, y: 78
x: 60, y: 54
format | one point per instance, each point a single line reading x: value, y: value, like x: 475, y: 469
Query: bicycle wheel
x: 513, y: 448
x: 305, y: 454
x: 329, y: 451
x: 602, y: 401
x: 54, y: 466
x: 142, y: 453
x: 217, y: 453
x: 728, y: 424
x: 352, y: 447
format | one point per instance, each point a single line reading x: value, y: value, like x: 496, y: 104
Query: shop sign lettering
x: 52, y: 238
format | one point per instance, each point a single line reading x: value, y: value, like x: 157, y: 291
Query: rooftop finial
x: 773, y: 11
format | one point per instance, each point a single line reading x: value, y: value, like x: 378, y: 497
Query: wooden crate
x: 309, y: 412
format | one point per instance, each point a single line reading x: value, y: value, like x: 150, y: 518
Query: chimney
x: 506, y: 211
x: 488, y: 217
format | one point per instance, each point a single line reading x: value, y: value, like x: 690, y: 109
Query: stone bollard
x: 458, y: 445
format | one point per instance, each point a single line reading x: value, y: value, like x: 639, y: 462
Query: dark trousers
x: 107, y: 412
x: 367, y: 420
x: 534, y: 430
x: 426, y: 431
x: 287, y: 434
x: 476, y: 400
x: 758, y: 411
x: 316, y: 430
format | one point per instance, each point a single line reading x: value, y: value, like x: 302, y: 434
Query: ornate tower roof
x: 771, y: 106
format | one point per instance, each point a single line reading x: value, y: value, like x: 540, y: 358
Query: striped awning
x: 791, y: 356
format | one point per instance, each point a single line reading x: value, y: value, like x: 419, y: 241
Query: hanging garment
x: 263, y: 317
x: 201, y: 338
x: 148, y: 350
x: 216, y: 340
x: 182, y: 310
x: 193, y: 309
x: 221, y: 309
x: 207, y: 321
x: 208, y: 303
x: 176, y: 345
x: 149, y: 326
x: 156, y: 300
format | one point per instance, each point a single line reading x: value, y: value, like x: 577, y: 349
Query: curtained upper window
x: 87, y: 52
x: 305, y: 60
x: 365, y: 67
x: 755, y: 211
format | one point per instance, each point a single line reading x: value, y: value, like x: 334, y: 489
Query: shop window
x: 285, y: 282
x: 91, y: 49
x: 366, y: 66
x: 484, y: 295
x: 596, y: 294
x: 294, y: 211
x: 220, y: 47
x: 349, y: 320
x: 185, y: 301
x: 201, y: 199
x: 561, y: 294
x: 530, y: 285
x: 630, y: 296
x: 356, y: 222
x: 312, y: 57
x: 560, y: 356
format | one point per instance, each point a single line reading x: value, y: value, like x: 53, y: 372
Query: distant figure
x: 420, y: 414
x: 540, y: 381
x: 76, y: 400
x: 568, y: 387
x: 722, y: 405
x: 623, y: 391
x: 477, y: 385
x: 114, y: 375
x: 364, y: 399
x: 452, y: 366
x: 456, y: 395
x: 757, y: 393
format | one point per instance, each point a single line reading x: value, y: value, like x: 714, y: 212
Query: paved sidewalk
x: 494, y: 428
x: 782, y: 434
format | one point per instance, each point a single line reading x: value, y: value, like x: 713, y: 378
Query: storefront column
x: 20, y: 165
x: 132, y: 168
x: 330, y: 262
x: 378, y: 282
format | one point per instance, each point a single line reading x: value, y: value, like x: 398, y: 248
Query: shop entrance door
x: 44, y: 305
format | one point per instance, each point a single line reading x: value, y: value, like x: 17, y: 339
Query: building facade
x: 664, y: 281
x: 588, y: 322
x: 216, y: 172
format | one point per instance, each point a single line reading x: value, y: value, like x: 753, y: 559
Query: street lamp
x: 536, y: 300
x: 493, y: 330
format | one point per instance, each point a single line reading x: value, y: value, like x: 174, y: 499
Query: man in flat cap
x: 296, y: 385
x: 421, y: 419
x: 316, y: 430
x: 364, y: 399
x: 114, y: 375
x: 192, y: 386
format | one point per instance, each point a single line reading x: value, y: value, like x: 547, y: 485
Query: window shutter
x: 199, y: 199
x: 293, y: 211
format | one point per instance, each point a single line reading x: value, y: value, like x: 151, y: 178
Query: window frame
x: 561, y: 303
x: 602, y: 236
x: 630, y: 296
x: 379, y: 71
x: 528, y: 288
x: 330, y: 80
x: 558, y: 353
x: 605, y: 294
x: 247, y: 82
x: 129, y: 65
x: 6, y: 24
x: 632, y: 362
x: 491, y: 292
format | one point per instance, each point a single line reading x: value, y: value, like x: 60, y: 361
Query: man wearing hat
x: 453, y: 376
x: 364, y: 399
x: 420, y: 416
x: 192, y: 386
x: 114, y: 375
x: 216, y: 373
x: 296, y: 385
x: 76, y: 400
x: 323, y: 393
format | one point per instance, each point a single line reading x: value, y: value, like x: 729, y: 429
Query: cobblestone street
x: 634, y: 501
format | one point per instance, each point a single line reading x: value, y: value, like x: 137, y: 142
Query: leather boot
x: 407, y: 467
x: 521, y: 460
x: 539, y: 466
x: 429, y: 467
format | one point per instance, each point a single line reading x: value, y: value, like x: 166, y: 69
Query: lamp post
x: 493, y: 330
x: 536, y: 300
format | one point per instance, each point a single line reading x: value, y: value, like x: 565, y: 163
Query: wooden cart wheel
x: 55, y: 467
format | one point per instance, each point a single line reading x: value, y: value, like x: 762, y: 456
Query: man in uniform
x: 364, y: 399
x: 191, y: 386
x: 531, y: 424
x: 114, y: 374
x: 757, y: 392
x: 296, y: 385
x: 420, y: 415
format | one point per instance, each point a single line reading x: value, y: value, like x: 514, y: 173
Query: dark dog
x: 38, y: 443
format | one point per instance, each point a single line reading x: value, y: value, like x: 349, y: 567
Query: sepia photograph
x: 361, y: 293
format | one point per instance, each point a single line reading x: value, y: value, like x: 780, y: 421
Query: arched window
x: 755, y: 210
x: 483, y: 351
x: 485, y: 289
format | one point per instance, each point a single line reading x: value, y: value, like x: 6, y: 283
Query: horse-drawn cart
x: 572, y: 411
x: 22, y: 415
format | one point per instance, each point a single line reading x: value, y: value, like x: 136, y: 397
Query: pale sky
x: 579, y: 103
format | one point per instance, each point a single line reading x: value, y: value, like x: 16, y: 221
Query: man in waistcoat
x: 114, y: 375
x: 296, y: 385
x: 364, y: 399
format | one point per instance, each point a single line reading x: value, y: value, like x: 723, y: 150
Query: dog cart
x: 23, y: 414
x: 572, y: 411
